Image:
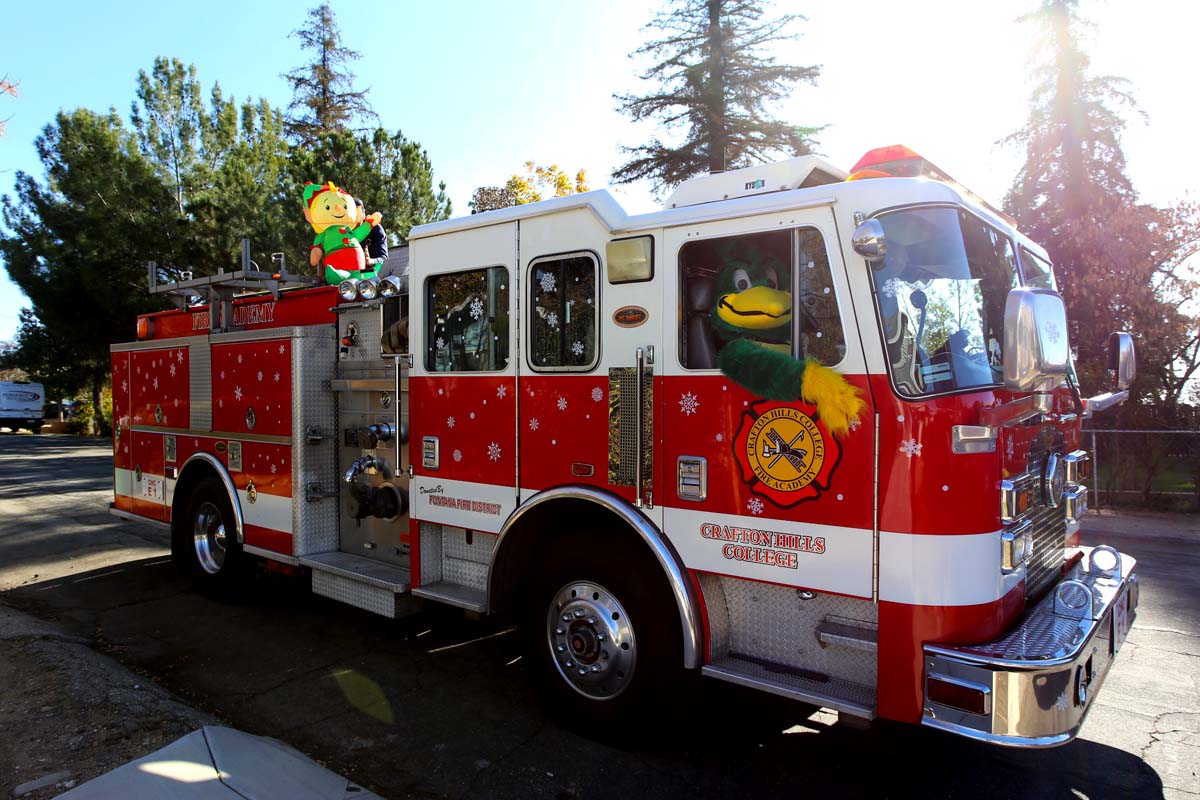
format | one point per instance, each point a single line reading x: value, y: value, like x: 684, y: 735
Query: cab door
x: 586, y: 412
x: 757, y: 488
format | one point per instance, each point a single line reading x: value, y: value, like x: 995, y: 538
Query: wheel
x: 204, y: 543
x: 603, y: 631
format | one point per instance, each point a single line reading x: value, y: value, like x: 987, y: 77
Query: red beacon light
x: 896, y: 161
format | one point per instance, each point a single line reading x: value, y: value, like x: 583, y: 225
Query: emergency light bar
x: 899, y: 161
x: 896, y: 161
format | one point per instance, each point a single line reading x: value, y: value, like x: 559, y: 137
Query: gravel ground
x: 70, y: 713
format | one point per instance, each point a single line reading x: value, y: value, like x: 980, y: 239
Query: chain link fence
x: 1156, y: 469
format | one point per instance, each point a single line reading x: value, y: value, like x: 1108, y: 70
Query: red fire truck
x: 527, y: 416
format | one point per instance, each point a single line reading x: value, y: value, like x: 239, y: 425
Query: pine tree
x: 323, y: 96
x: 716, y: 82
x: 1116, y: 259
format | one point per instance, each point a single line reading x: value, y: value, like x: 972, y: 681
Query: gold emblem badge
x: 785, y: 452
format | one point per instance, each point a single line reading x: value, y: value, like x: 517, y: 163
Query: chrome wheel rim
x: 591, y: 640
x: 208, y: 534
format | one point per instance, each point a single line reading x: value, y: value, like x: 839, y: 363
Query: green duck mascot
x: 752, y: 316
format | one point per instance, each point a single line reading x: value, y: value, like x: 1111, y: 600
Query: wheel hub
x: 208, y: 535
x: 591, y: 640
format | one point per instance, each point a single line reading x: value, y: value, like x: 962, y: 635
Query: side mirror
x: 1121, y: 359
x: 1036, y: 352
x: 869, y: 241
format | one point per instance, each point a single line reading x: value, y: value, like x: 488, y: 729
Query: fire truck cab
x: 529, y: 416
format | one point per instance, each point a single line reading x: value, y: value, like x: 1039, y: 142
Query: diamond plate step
x: 379, y: 574
x: 360, y: 582
x: 453, y: 594
x: 839, y: 695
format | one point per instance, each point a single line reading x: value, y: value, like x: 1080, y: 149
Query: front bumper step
x: 1035, y: 685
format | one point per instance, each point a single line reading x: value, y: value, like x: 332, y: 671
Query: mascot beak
x: 757, y: 308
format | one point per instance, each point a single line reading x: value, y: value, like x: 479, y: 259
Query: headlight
x: 368, y: 289
x: 390, y: 286
x: 348, y: 289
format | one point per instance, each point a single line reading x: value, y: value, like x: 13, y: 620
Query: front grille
x: 1049, y: 548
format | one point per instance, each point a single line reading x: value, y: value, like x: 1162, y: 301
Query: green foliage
x: 1117, y: 261
x: 79, y: 242
x: 323, y: 96
x: 716, y: 83
x: 83, y: 415
x: 167, y: 118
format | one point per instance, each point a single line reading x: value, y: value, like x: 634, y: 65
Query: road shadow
x: 436, y: 704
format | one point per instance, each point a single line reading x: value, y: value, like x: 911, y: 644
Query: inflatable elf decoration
x: 341, y: 227
x: 753, y: 317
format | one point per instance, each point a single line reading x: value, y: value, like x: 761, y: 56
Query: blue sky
x: 487, y: 86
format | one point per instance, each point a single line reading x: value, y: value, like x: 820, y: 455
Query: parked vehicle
x: 554, y: 435
x: 22, y: 405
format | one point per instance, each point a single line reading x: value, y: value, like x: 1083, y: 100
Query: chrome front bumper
x: 1039, y: 680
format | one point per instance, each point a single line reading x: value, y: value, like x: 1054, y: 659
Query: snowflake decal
x: 179, y: 355
x: 125, y: 386
x: 892, y: 287
x: 280, y: 349
x: 577, y: 349
x: 720, y: 437
x: 597, y: 394
x: 910, y: 447
x: 562, y: 404
x: 501, y: 392
x: 549, y: 284
x: 476, y: 308
x: 155, y: 383
x: 449, y: 422
x: 220, y: 403
x: 274, y: 469
x: 277, y: 377
x: 533, y: 424
x: 239, y: 358
x: 1053, y: 333
x: 689, y: 403
x: 457, y: 455
x: 237, y: 393
x: 260, y: 374
x: 440, y: 344
x: 172, y: 370
x: 552, y: 320
x: 493, y: 451
x: 755, y: 506
x: 222, y: 374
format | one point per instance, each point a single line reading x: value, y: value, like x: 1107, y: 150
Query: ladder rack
x: 222, y: 289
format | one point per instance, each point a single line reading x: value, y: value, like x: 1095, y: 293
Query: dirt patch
x: 67, y: 709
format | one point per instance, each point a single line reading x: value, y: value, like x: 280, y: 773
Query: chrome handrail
x: 640, y: 389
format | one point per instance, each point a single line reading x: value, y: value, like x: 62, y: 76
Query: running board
x: 839, y: 695
x: 453, y: 594
x: 357, y: 581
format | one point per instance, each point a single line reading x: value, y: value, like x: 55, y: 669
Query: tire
x: 204, y: 545
x: 602, y: 629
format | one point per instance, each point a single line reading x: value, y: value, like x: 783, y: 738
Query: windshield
x: 940, y: 292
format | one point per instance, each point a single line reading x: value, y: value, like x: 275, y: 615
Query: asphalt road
x: 439, y: 705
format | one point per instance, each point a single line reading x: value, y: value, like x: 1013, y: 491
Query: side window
x: 774, y: 288
x: 466, y: 317
x: 1038, y: 272
x: 562, y: 312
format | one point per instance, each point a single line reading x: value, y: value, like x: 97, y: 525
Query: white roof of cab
x: 748, y: 190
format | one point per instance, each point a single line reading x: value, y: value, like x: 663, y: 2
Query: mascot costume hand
x: 341, y: 228
x: 753, y: 318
